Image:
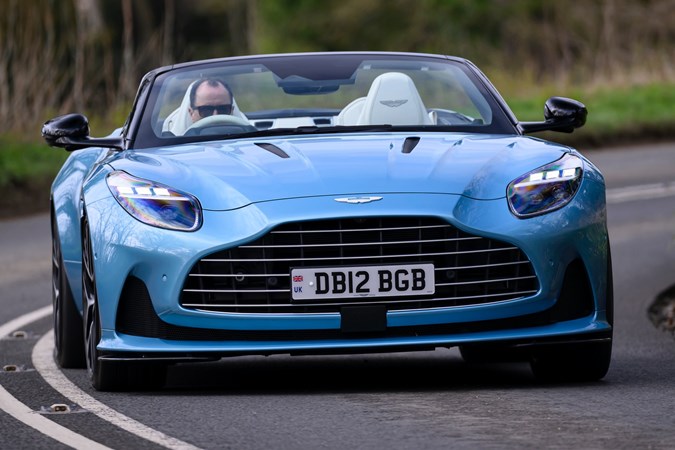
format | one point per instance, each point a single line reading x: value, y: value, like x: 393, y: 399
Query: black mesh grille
x: 255, y: 278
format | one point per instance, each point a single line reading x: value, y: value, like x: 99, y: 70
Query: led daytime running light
x: 551, y: 176
x: 145, y: 192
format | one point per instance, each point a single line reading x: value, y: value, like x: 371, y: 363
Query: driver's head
x: 208, y: 97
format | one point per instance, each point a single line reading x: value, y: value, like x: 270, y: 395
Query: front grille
x: 255, y: 278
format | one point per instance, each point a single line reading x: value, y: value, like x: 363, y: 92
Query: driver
x: 209, y: 96
x: 204, y: 97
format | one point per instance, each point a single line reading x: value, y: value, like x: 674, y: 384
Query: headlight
x: 547, y: 188
x: 155, y: 204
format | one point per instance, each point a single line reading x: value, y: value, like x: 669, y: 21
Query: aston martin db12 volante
x: 352, y: 202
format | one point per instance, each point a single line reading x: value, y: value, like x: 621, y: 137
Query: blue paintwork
x: 115, y: 342
x: 245, y: 191
x: 229, y: 175
x: 460, y: 179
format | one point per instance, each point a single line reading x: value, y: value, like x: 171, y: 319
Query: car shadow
x: 440, y: 370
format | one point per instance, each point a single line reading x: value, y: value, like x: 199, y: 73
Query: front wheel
x: 584, y: 361
x: 109, y: 375
x: 68, y: 350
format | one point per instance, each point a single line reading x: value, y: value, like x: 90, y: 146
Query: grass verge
x: 26, y: 173
x: 616, y: 116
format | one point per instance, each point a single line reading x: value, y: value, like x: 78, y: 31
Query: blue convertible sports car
x: 327, y: 203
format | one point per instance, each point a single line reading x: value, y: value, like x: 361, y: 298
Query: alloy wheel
x: 89, y: 301
x: 56, y: 286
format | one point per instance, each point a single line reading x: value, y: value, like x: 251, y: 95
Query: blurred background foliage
x: 88, y: 55
x: 59, y: 56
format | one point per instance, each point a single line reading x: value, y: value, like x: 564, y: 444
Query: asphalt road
x: 398, y: 401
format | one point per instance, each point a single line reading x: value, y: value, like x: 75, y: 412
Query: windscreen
x: 324, y: 93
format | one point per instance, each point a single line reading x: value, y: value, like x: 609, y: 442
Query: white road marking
x: 23, y: 413
x: 640, y: 192
x: 20, y: 322
x: 20, y: 411
x: 43, y: 362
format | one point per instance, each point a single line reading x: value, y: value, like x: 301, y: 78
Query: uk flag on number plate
x: 297, y: 279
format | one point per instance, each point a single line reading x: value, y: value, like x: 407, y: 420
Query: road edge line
x: 43, y: 362
x: 21, y: 412
x: 66, y: 436
x: 24, y: 320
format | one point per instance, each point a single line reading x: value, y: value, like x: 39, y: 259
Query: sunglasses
x: 208, y: 110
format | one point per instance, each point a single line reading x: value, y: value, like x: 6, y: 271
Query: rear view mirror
x: 561, y: 114
x: 71, y: 132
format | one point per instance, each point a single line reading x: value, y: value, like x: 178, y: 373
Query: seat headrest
x: 393, y: 99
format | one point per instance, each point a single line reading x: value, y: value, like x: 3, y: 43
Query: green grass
x: 640, y: 113
x: 23, y: 161
x: 26, y: 172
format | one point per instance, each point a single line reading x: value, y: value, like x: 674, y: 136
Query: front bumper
x: 161, y: 260
x: 128, y: 347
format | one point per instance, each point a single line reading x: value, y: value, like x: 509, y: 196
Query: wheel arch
x: 66, y: 207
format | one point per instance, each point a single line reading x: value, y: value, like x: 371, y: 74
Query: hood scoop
x: 272, y: 149
x: 409, y: 144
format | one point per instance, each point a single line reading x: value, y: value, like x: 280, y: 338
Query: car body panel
x: 152, y: 254
x: 67, y: 209
x: 244, y: 173
x: 556, y: 332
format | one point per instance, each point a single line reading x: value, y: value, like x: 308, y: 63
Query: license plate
x: 364, y: 281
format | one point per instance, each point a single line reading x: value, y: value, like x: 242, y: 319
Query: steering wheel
x: 220, y: 120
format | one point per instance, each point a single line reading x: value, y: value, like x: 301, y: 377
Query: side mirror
x: 71, y: 132
x: 561, y: 114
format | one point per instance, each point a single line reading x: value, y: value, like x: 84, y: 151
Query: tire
x: 609, y: 303
x: 586, y: 361
x: 68, y: 337
x: 109, y: 375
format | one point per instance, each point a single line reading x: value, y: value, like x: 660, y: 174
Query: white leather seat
x: 179, y: 120
x: 393, y: 99
x: 350, y: 113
